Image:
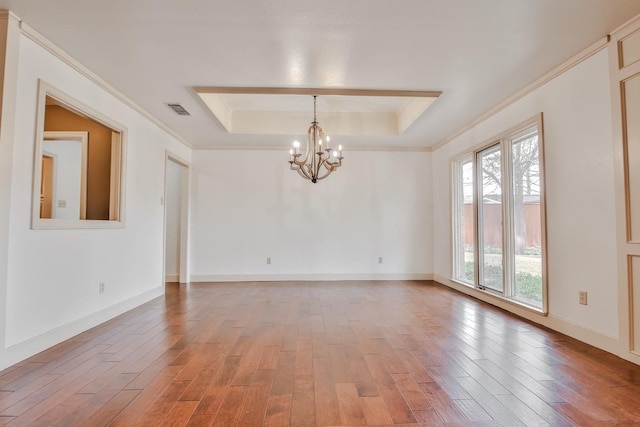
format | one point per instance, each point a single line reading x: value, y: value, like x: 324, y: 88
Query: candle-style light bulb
x: 340, y: 150
x: 327, y: 139
x: 335, y: 153
x: 296, y: 145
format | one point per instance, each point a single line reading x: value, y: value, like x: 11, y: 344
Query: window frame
x: 505, y: 141
x: 456, y: 220
x: 118, y: 164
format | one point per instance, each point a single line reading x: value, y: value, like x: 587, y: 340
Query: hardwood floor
x: 325, y: 354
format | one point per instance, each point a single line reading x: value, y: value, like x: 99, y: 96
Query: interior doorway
x: 176, y: 214
x: 46, y: 187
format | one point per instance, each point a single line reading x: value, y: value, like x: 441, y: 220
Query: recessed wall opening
x: 176, y: 204
x: 77, y: 165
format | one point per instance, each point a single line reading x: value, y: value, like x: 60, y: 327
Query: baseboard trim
x: 172, y: 278
x: 580, y: 332
x: 306, y: 277
x: 25, y: 349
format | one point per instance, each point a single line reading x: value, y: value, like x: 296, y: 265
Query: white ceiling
x: 478, y: 53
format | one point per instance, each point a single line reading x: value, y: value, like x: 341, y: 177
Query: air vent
x: 179, y: 109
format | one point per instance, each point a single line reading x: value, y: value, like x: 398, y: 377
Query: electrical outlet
x: 583, y: 297
x: 379, y: 260
x: 268, y: 260
x: 101, y: 288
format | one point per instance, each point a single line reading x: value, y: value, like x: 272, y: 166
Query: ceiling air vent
x: 179, y: 109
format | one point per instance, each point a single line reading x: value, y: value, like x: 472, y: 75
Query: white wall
x: 248, y: 205
x: 173, y: 225
x: 580, y: 192
x: 53, y: 275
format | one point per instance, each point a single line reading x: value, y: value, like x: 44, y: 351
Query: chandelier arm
x: 310, y: 172
x: 329, y: 165
x: 302, y: 174
x: 304, y: 171
x: 326, y: 174
x: 337, y: 164
x: 306, y: 157
x: 334, y: 165
x: 298, y: 162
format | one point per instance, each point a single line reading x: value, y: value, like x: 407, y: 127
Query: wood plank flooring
x: 319, y: 354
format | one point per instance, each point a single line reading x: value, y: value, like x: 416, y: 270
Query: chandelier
x: 318, y: 162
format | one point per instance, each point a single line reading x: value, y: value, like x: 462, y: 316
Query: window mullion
x: 477, y: 221
x: 457, y: 218
x: 507, y: 215
x: 476, y: 229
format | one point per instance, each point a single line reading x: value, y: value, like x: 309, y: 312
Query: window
x: 499, y: 217
x: 78, y: 163
x: 464, y: 230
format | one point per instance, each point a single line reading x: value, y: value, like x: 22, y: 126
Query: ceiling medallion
x: 316, y: 157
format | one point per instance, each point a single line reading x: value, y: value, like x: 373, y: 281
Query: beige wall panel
x: 631, y: 115
x: 629, y: 49
x: 634, y: 301
x: 99, y: 161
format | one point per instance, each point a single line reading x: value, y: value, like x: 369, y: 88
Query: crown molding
x: 624, y: 27
x: 59, y: 53
x: 285, y: 148
x: 562, y: 68
x: 5, y: 14
x: 317, y: 91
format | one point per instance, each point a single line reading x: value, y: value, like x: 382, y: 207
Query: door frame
x: 185, y: 192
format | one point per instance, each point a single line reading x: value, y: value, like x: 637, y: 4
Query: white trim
x: 116, y: 175
x: 412, y: 111
x: 25, y: 349
x: 77, y: 66
x: 559, y: 70
x: 9, y: 72
x: 172, y: 278
x: 624, y: 27
x: 83, y: 138
x: 455, y: 171
x: 6, y: 14
x: 625, y: 248
x: 307, y: 277
x: 285, y: 148
x: 185, y: 217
